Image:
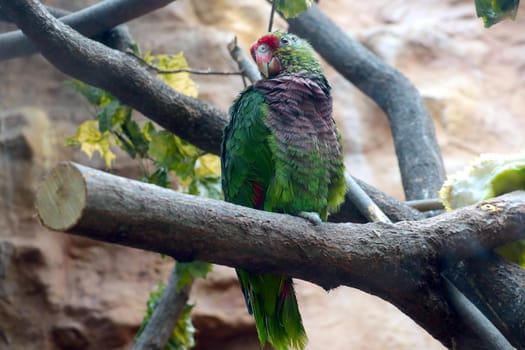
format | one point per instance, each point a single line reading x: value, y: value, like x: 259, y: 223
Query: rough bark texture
x: 383, y: 259
x: 490, y: 282
x: 90, y: 22
x: 196, y: 121
x: 417, y: 150
x: 164, y: 319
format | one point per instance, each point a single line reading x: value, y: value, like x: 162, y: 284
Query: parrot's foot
x: 311, y: 216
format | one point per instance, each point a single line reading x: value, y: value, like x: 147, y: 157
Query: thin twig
x: 180, y: 70
x: 274, y: 6
x: 426, y: 204
x: 363, y: 202
x: 197, y: 71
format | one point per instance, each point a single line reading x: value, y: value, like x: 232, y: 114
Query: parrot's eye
x: 262, y: 48
x: 284, y: 41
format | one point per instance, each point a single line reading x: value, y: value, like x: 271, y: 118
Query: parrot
x: 281, y: 152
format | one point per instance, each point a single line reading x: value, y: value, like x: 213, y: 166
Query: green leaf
x: 148, y: 130
x: 183, y: 335
x: 136, y: 137
x: 159, y: 177
x: 122, y: 115
x: 293, y: 8
x: 494, y: 11
x: 207, y: 186
x: 93, y: 94
x: 125, y: 145
x: 171, y: 152
x: 105, y: 115
x: 187, y: 272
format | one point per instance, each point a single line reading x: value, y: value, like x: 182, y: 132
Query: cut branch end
x: 61, y: 198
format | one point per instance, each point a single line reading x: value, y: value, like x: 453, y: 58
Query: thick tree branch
x: 196, y: 121
x: 91, y: 21
x: 383, y: 259
x: 491, y: 282
x: 418, y: 154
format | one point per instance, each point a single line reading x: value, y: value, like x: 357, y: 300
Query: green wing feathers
x: 246, y: 157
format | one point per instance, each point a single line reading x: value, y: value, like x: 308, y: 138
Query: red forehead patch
x: 269, y: 39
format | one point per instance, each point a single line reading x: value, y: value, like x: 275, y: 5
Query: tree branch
x: 490, y: 282
x: 198, y: 122
x: 165, y: 317
x: 243, y: 61
x: 383, y: 259
x: 91, y: 21
x: 418, y: 154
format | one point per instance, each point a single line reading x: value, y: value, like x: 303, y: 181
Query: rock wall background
x: 64, y: 292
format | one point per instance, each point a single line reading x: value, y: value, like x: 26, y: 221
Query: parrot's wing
x: 247, y: 165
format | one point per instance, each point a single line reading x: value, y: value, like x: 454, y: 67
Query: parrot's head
x: 280, y: 52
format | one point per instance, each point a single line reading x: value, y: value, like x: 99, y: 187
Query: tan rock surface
x: 65, y: 292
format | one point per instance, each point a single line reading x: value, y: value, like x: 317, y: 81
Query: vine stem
x: 270, y: 24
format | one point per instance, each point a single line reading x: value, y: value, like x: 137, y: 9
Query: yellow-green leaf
x: 91, y: 140
x: 208, y: 164
x: 293, y: 8
x: 180, y: 81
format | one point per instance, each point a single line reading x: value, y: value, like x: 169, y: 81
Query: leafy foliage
x: 293, y: 8
x: 187, y: 272
x: 91, y: 140
x: 488, y: 176
x: 180, y: 81
x: 173, y: 162
x: 494, y: 11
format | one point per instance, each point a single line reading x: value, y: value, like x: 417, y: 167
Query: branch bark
x: 382, y: 259
x: 198, y: 122
x: 91, y: 21
x: 490, y: 282
x: 417, y: 150
x: 165, y: 317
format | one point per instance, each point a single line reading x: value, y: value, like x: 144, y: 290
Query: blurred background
x: 65, y: 292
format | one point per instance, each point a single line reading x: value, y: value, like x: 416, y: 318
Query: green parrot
x: 281, y: 152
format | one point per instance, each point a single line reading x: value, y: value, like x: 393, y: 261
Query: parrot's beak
x: 268, y: 64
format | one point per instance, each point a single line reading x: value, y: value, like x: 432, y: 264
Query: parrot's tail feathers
x: 291, y: 318
x: 242, y: 277
x: 274, y: 306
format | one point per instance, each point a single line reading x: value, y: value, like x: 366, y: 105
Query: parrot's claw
x: 311, y: 216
